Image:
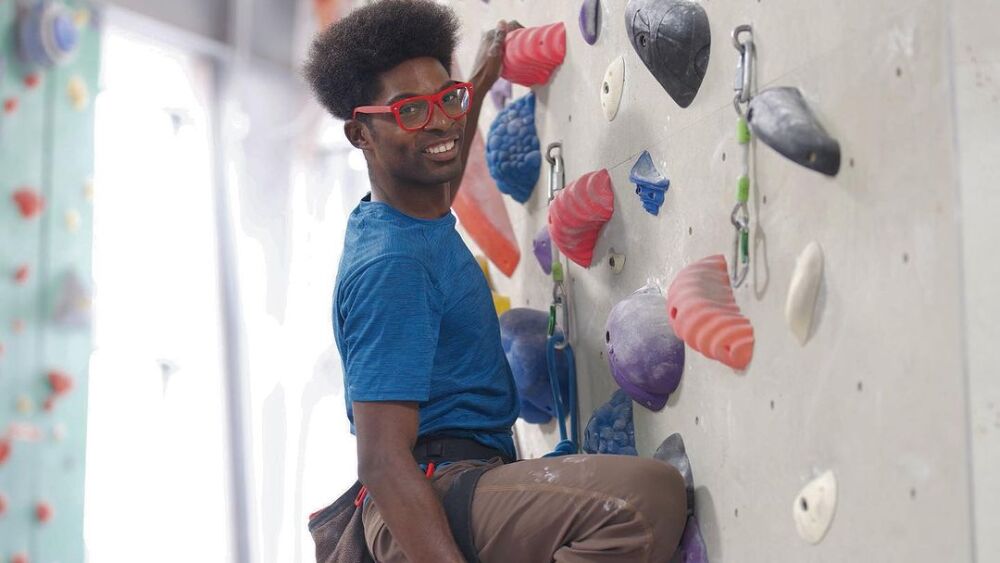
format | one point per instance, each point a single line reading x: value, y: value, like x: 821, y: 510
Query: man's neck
x: 420, y: 201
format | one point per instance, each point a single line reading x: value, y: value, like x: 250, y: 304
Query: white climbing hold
x: 815, y: 506
x: 802, y: 292
x: 616, y: 261
x: 612, y: 87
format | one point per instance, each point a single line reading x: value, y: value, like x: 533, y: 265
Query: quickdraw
x: 740, y: 217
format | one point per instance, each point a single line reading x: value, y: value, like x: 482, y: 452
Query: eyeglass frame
x: 432, y: 99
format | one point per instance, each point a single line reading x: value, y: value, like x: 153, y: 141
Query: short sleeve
x: 391, y: 317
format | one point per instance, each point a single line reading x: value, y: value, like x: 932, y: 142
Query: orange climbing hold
x: 532, y: 54
x: 481, y: 212
x: 29, y: 202
x: 704, y: 314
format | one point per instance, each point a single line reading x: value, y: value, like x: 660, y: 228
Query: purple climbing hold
x: 524, y: 335
x: 650, y: 185
x: 501, y: 92
x: 590, y: 20
x: 692, y: 547
x: 512, y: 153
x: 542, y: 246
x: 611, y: 430
x: 646, y: 358
x: 46, y: 34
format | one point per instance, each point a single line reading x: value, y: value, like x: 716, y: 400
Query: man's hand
x: 489, y: 60
x: 387, y: 432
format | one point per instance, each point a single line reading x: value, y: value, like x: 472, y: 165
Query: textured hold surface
x: 590, y: 20
x: 611, y: 430
x: 577, y: 214
x: 802, y: 291
x: 705, y: 316
x: 650, y: 185
x: 532, y: 54
x: 542, y: 247
x: 523, y: 335
x: 646, y: 358
x: 815, y: 507
x: 512, y: 152
x: 481, y: 212
x: 29, y: 202
x: 781, y: 118
x: 672, y: 38
x: 612, y: 87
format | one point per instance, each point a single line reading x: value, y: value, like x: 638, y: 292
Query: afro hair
x: 347, y: 58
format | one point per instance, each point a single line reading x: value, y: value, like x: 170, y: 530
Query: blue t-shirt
x: 414, y: 321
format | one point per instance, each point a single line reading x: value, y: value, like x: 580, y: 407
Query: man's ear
x: 358, y: 134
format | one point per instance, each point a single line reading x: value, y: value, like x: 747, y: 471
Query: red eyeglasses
x: 413, y: 114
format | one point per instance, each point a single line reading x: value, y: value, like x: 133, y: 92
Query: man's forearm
x: 413, y: 512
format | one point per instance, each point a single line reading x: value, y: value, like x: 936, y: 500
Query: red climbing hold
x: 10, y: 105
x: 3, y: 504
x: 532, y: 54
x: 29, y: 202
x: 21, y: 275
x: 17, y: 326
x: 32, y: 80
x: 43, y: 512
x: 577, y: 214
x: 5, y: 447
x: 19, y: 558
x: 60, y: 383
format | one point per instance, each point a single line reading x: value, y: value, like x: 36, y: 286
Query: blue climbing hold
x: 649, y: 183
x: 512, y: 150
x: 611, y: 430
x: 524, y: 337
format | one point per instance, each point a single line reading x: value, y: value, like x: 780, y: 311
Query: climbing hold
x: 616, y: 261
x: 524, y: 337
x: 481, y: 212
x: 532, y: 54
x: 692, y: 545
x: 10, y: 105
x: 78, y: 92
x: 21, y: 275
x: 577, y: 214
x: 32, y: 80
x: 704, y: 313
x: 673, y: 39
x: 501, y: 92
x: 81, y: 17
x: 815, y: 506
x: 781, y: 118
x: 60, y: 383
x: 611, y: 429
x: 17, y: 325
x: 29, y: 203
x: 673, y: 452
x: 88, y: 186
x: 47, y: 34
x: 802, y: 292
x: 512, y: 152
x: 5, y: 446
x: 646, y: 358
x: 72, y: 219
x: 3, y: 503
x: 25, y: 405
x: 73, y: 303
x: 650, y: 185
x: 59, y: 432
x: 542, y: 247
x: 43, y: 512
x: 612, y: 87
x: 590, y: 20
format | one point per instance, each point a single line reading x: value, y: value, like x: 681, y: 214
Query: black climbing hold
x: 781, y: 119
x: 672, y: 452
x: 673, y: 39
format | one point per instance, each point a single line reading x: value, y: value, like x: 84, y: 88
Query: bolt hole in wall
x: 156, y: 437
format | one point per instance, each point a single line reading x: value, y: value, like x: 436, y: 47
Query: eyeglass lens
x: 415, y: 114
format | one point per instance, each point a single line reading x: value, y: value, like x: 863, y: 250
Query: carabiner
x: 744, y: 68
x: 740, y: 219
x: 557, y: 178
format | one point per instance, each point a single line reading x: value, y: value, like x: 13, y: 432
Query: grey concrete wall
x: 878, y: 394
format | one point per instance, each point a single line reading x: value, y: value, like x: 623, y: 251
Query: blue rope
x: 568, y: 442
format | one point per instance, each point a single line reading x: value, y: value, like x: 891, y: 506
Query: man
x: 425, y: 375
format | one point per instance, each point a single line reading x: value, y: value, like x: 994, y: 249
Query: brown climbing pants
x: 581, y: 508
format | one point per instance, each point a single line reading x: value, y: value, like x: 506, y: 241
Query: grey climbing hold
x: 781, y: 118
x: 673, y: 39
x: 590, y: 20
x: 673, y: 452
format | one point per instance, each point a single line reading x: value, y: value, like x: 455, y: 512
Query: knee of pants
x: 660, y: 496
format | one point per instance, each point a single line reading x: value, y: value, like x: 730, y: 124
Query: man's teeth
x: 437, y: 149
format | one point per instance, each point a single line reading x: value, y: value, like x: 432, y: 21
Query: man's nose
x: 439, y: 121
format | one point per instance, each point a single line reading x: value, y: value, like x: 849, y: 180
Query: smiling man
x: 429, y: 392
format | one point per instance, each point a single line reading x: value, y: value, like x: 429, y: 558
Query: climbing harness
x: 560, y: 343
x: 740, y: 217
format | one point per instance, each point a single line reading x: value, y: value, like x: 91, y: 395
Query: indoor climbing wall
x: 822, y: 400
x: 48, y: 76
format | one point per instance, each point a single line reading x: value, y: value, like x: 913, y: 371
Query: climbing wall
x: 46, y: 151
x: 877, y: 392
